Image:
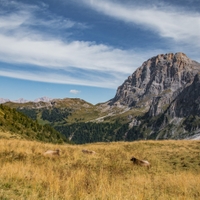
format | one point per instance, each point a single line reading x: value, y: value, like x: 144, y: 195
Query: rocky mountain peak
x: 43, y: 99
x: 163, y: 75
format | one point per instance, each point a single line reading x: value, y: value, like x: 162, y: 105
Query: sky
x: 87, y: 48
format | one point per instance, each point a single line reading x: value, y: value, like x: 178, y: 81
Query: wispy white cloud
x: 92, y: 64
x: 169, y: 22
x: 59, y: 78
x: 24, y: 18
x: 54, y: 53
x: 74, y: 91
x: 21, y: 44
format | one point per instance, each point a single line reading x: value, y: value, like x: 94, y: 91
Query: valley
x: 160, y: 100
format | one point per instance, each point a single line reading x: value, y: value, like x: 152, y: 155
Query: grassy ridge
x: 17, y: 125
x: 26, y: 174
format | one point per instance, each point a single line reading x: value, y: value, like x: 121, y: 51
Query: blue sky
x: 87, y: 48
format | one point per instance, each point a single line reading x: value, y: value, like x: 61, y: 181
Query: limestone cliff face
x: 157, y: 82
x: 168, y: 87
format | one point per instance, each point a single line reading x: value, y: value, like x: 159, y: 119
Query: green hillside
x: 80, y: 121
x: 17, y: 125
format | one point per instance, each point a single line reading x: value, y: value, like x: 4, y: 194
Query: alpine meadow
x: 89, y: 148
x: 25, y: 173
x: 99, y: 100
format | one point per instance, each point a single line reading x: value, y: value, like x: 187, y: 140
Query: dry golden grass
x: 107, y: 175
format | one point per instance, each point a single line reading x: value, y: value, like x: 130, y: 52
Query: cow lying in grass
x: 52, y: 152
x: 143, y: 163
x: 88, y: 151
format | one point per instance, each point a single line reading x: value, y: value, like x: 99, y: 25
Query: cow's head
x: 133, y: 159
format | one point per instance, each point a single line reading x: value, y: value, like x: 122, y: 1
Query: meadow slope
x: 25, y: 173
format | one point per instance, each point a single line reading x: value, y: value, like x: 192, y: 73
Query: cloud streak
x: 61, y: 60
x: 61, y: 55
x: 74, y: 91
x: 87, y: 79
x: 169, y: 22
x: 23, y: 45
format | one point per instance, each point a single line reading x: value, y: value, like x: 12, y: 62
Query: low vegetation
x: 25, y: 173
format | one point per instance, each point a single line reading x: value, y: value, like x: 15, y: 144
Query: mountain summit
x: 167, y: 88
x: 163, y: 76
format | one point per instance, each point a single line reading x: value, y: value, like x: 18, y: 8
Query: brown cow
x: 88, y: 151
x: 144, y: 163
x: 52, y: 152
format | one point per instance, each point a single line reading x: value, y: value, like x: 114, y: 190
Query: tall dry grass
x: 107, y: 175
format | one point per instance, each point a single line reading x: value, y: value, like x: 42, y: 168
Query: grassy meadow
x: 25, y: 173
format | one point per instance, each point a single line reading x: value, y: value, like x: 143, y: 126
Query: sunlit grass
x: 26, y: 174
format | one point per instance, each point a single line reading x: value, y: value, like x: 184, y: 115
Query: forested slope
x: 19, y: 125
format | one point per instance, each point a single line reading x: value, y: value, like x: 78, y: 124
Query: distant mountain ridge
x: 160, y: 100
x: 22, y: 100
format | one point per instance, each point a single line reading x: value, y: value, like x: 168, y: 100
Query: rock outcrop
x: 168, y: 87
x: 158, y: 81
